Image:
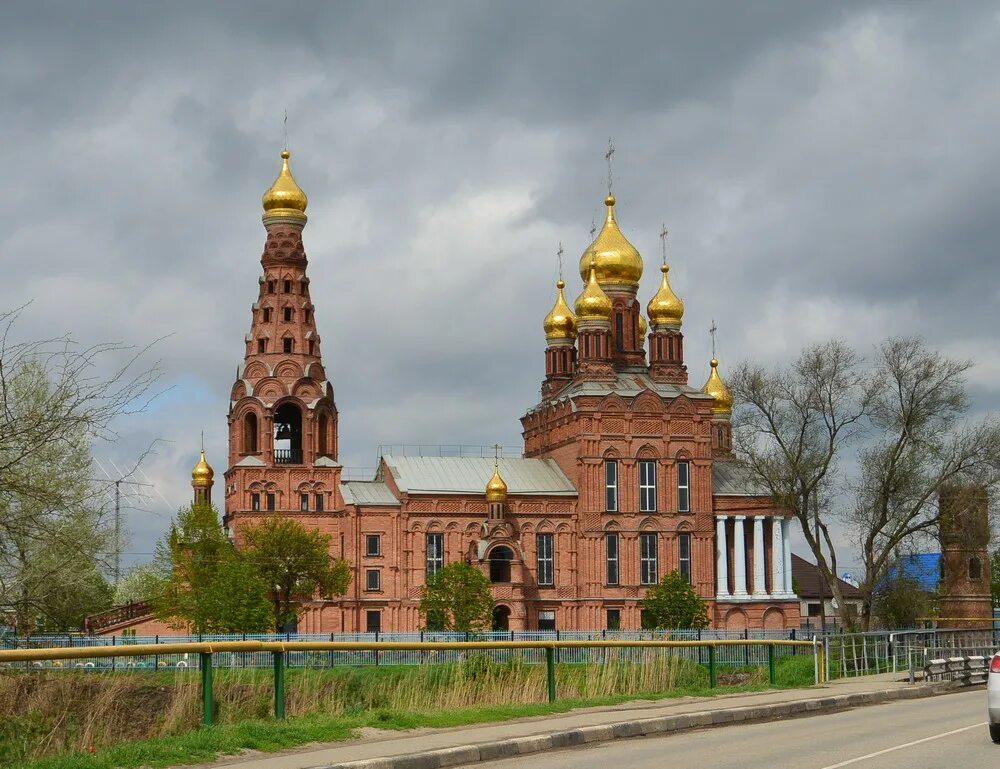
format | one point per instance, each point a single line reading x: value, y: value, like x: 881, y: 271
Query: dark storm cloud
x: 825, y: 169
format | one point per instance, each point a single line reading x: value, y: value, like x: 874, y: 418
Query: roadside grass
x: 31, y: 740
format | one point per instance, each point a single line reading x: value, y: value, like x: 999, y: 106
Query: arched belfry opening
x: 250, y: 433
x: 288, y: 435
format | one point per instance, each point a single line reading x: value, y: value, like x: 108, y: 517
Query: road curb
x: 643, y: 727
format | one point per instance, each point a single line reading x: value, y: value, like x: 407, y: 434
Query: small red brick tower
x: 964, y: 531
x: 282, y: 416
x: 666, y: 343
x: 593, y: 330
x: 722, y: 410
x: 560, y: 352
x: 202, y: 480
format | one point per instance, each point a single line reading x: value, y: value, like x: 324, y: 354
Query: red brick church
x: 626, y: 472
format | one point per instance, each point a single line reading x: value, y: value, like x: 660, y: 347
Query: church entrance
x: 501, y: 618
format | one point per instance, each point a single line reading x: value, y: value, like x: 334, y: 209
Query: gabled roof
x: 730, y: 479
x: 810, y: 582
x: 628, y: 384
x: 368, y: 493
x: 469, y: 475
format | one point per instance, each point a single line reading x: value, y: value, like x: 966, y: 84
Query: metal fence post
x: 550, y: 672
x: 279, y: 684
x: 712, y: 678
x: 772, y: 672
x: 207, y: 699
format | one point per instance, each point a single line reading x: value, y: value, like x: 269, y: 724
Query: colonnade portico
x: 780, y: 583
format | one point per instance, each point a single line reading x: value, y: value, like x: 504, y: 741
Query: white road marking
x: 904, y: 745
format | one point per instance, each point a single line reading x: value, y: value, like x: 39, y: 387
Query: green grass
x: 269, y: 735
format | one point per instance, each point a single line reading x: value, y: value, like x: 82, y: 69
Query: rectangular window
x: 619, y: 332
x: 547, y: 620
x: 287, y: 344
x: 261, y: 345
x: 270, y: 502
x: 267, y: 314
x: 647, y: 486
x: 543, y: 543
x: 373, y: 545
x: 304, y: 502
x: 611, y: 543
x: 684, y: 556
x: 287, y: 314
x: 684, y: 487
x: 611, y: 485
x: 648, y: 566
x: 435, y: 554
x: 270, y: 287
x: 312, y: 347
x: 373, y: 579
x: 319, y: 503
x: 614, y: 619
x: 255, y: 502
x: 373, y: 621
x: 307, y: 315
x: 288, y: 286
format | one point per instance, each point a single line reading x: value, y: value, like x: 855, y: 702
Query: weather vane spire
x: 712, y: 329
x: 663, y: 241
x: 607, y: 156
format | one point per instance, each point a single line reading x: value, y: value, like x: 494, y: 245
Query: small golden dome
x: 593, y: 303
x: 643, y: 328
x: 285, y: 198
x: 203, y: 474
x: 618, y: 261
x: 496, y: 489
x: 665, y: 308
x: 717, y: 389
x: 560, y: 323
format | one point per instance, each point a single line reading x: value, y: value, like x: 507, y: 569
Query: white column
x: 759, y: 561
x: 739, y: 557
x: 786, y: 546
x: 777, y: 558
x: 721, y: 558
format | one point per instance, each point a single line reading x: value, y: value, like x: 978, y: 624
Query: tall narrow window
x: 611, y: 545
x: 307, y: 315
x: 614, y: 619
x: 648, y: 566
x: 683, y: 487
x: 255, y: 502
x: 373, y: 545
x: 619, y: 332
x: 288, y: 286
x: 250, y: 433
x: 373, y: 621
x: 373, y: 579
x: 267, y: 314
x: 647, y: 486
x: 543, y: 543
x: 270, y: 287
x: 261, y: 345
x: 319, y: 502
x: 321, y: 434
x: 312, y: 347
x: 611, y: 485
x: 435, y: 554
x: 304, y: 502
x: 684, y: 556
x: 287, y: 312
x: 270, y: 502
x: 288, y: 344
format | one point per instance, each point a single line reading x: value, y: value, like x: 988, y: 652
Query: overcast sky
x: 825, y: 169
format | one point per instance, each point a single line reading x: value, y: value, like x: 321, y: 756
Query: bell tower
x: 282, y: 415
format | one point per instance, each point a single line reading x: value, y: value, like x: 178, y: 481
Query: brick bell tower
x: 282, y: 416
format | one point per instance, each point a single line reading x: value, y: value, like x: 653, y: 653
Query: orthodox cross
x: 286, y: 130
x: 202, y: 441
x: 663, y: 242
x: 607, y: 156
x: 559, y: 254
x: 712, y: 331
x: 593, y: 225
x: 496, y: 454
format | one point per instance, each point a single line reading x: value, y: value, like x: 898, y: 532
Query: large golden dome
x: 593, y: 303
x: 715, y: 387
x: 618, y: 261
x: 202, y: 474
x: 496, y: 489
x: 665, y: 308
x: 560, y: 323
x: 285, y: 198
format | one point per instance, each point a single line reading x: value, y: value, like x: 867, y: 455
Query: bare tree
x: 919, y: 444
x: 791, y: 430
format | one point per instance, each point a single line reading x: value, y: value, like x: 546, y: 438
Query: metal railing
x: 279, y: 650
x: 858, y: 654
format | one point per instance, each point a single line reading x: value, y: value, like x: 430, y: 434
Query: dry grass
x: 47, y: 713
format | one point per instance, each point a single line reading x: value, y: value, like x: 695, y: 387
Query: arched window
x: 975, y: 568
x: 500, y: 559
x: 288, y: 435
x: 321, y: 436
x: 250, y: 433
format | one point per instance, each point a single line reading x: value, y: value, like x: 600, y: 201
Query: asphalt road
x: 933, y: 733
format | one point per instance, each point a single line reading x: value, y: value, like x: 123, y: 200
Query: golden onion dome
x: 665, y: 308
x: 496, y: 489
x: 715, y: 387
x: 285, y: 198
x: 618, y: 261
x: 202, y: 474
x: 593, y: 303
x: 560, y: 323
x: 643, y: 328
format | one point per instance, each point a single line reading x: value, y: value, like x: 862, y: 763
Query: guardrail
x: 278, y: 650
x: 969, y: 670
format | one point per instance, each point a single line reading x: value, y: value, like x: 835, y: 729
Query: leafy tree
x: 457, y: 598
x: 143, y: 582
x: 995, y: 577
x: 899, y: 601
x: 294, y: 563
x: 674, y: 605
x: 84, y: 591
x: 211, y: 588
